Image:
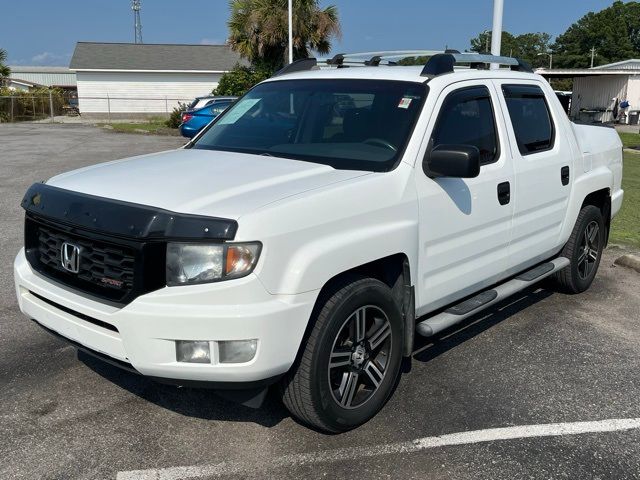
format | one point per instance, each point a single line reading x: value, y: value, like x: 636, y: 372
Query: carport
x: 598, y: 91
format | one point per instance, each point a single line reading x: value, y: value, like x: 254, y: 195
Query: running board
x: 479, y: 302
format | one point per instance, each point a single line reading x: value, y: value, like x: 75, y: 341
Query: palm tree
x: 4, y: 70
x: 258, y: 29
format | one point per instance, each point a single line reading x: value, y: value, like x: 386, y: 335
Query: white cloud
x: 48, y: 58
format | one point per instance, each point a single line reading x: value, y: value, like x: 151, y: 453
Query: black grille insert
x: 101, y: 265
x: 110, y: 268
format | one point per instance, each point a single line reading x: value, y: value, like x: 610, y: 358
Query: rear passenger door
x: 465, y: 223
x: 543, y: 168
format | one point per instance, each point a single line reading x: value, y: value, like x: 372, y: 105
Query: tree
x: 614, y: 33
x: 5, y: 71
x: 258, y: 30
x: 420, y: 60
x: 530, y: 47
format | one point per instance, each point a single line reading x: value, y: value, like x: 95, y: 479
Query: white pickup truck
x: 310, y: 231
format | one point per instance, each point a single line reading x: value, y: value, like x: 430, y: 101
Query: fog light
x: 193, y: 352
x: 237, y: 351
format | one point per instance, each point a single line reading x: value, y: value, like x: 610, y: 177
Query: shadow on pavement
x: 192, y: 402
x: 426, y: 349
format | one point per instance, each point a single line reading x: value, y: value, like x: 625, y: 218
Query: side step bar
x: 479, y: 302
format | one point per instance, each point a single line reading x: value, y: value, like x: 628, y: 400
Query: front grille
x: 110, y: 268
x: 101, y: 265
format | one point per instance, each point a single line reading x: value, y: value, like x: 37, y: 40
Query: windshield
x: 348, y: 124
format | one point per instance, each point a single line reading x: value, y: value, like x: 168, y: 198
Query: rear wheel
x: 352, y: 358
x: 584, y: 250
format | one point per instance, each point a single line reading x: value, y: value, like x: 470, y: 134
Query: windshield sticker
x: 238, y: 111
x: 405, y: 102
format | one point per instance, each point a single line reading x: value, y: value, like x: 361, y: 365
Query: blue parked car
x: 195, y: 120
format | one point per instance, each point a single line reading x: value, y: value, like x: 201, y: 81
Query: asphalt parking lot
x: 541, y: 358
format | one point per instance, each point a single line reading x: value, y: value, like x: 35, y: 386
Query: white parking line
x: 354, y: 453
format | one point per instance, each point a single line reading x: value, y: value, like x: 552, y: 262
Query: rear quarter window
x: 530, y: 117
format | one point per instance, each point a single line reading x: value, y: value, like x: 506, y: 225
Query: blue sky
x: 44, y: 32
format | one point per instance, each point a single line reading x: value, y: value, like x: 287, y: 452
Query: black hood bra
x: 124, y: 219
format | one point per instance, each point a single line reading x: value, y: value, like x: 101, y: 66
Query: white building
x: 596, y: 90
x: 124, y: 80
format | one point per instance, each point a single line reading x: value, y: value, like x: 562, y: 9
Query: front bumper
x: 143, y: 333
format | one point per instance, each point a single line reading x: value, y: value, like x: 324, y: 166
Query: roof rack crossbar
x: 301, y: 65
x: 445, y: 62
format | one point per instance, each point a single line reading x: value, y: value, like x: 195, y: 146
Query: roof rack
x: 439, y: 62
x: 445, y: 62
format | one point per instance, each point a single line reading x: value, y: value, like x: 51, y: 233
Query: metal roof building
x: 631, y: 64
x: 46, y: 76
x: 125, y: 79
x: 596, y: 90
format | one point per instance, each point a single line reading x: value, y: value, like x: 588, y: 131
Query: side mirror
x: 458, y: 161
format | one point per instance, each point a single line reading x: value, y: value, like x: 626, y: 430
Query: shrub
x: 242, y: 78
x: 175, y: 119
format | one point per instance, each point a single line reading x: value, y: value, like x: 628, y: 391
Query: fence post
x: 108, y: 108
x: 12, y: 100
x: 51, y: 105
x: 33, y: 107
x: 166, y: 106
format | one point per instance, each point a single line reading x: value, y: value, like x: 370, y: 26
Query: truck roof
x: 410, y: 74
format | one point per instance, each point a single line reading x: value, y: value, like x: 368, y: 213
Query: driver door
x: 465, y: 223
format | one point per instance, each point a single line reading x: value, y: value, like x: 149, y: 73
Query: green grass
x: 626, y: 226
x: 155, y: 125
x: 630, y: 140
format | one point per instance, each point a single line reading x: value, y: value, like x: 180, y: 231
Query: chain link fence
x: 55, y: 106
x: 25, y: 107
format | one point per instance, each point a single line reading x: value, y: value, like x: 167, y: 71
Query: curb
x: 629, y: 261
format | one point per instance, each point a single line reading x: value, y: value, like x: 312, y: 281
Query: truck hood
x: 202, y: 182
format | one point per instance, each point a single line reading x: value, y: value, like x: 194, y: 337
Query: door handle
x: 504, y: 193
x: 565, y: 175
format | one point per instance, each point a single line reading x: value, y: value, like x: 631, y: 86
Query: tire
x: 584, y: 251
x: 332, y: 385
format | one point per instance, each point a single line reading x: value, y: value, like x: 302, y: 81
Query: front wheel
x: 584, y: 251
x: 351, y: 360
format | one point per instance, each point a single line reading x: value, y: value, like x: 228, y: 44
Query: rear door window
x: 467, y: 118
x: 530, y: 117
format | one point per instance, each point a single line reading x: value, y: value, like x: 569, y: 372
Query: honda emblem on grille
x: 70, y: 255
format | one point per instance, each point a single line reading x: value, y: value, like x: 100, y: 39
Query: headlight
x: 191, y: 263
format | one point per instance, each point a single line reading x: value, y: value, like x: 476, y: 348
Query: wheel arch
x: 602, y: 200
x: 392, y: 270
x: 592, y: 188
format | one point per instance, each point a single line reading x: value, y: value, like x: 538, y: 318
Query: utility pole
x: 487, y: 37
x: 290, y: 13
x: 593, y: 54
x: 137, y: 24
x: 496, y: 31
